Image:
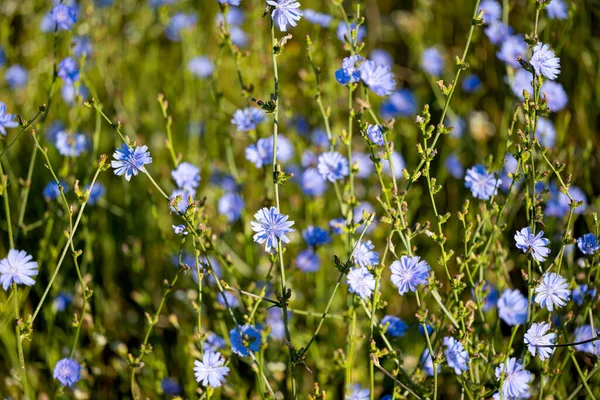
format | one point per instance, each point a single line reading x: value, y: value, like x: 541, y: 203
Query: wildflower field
x: 299, y: 199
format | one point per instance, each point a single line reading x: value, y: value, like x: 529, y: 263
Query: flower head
x: 312, y: 182
x: 64, y: 16
x: 516, y: 378
x: 308, y: 261
x: 409, y: 273
x: 129, y: 161
x: 6, y: 120
x: 490, y: 297
x: 201, y: 67
x: 534, y: 244
x: 378, y: 78
x: 68, y: 70
x: 400, y: 104
x: 395, y: 326
x: 95, y: 194
x: 512, y: 47
x: 247, y: 119
x: 230, y: 2
x: 364, y: 255
x: 16, y: 76
x: 245, y: 339
x: 180, y: 200
x: 62, y: 301
x: 581, y: 292
x: 82, y: 46
x: 361, y: 282
x: 179, y: 22
x: 67, y: 371
x: 170, y: 387
x: 427, y: 361
x: 71, y: 144
x: 584, y: 333
x: 358, y: 393
x: 186, y: 176
x: 52, y: 190
x: 333, y: 166
x: 180, y: 230
x: 316, y: 236
x: 454, y: 166
x: 588, y: 244
x: 537, y: 335
x: 456, y: 355
x: 231, y: 205
x: 286, y: 12
x: 544, y: 62
x: 432, y: 61
x: 554, y: 290
x: 343, y: 33
x: 555, y: 94
x: 398, y: 161
x: 350, y: 72
x: 545, y: 132
x: 482, y: 184
x: 17, y: 268
x: 512, y: 307
x: 211, y: 371
x: 318, y: 18
x: 492, y: 10
x: 271, y: 226
x: 375, y: 134
x: 557, y: 9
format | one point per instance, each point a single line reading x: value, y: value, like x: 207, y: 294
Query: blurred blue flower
x: 309, y: 159
x: 170, y: 387
x: 490, y: 297
x: 67, y: 371
x: 247, y: 119
x: 349, y: 73
x: 235, y: 17
x: 458, y: 126
x: 68, y: 70
x: 378, y: 78
x: 408, y: 273
x: 427, y: 361
x: 422, y: 330
x: 231, y: 205
x: 584, y: 333
x: 552, y: 291
x: 358, y: 393
x: 16, y: 76
x: 201, y: 67
x: 270, y: 226
x: 471, y: 83
x: 456, y: 355
x: 375, y: 134
x: 244, y: 339
x: 333, y: 166
x: 497, y: 32
x: 211, y: 371
x: 337, y: 225
x: 364, y: 208
x: 512, y: 307
x: 361, y: 282
x: 537, y: 335
x: 399, y: 165
x: 482, y: 185
x: 557, y: 9
x: 521, y: 81
x: 400, y: 104
x: 581, y: 291
x: 53, y: 129
x: 186, y: 176
x: 62, y: 301
x: 515, y: 383
x: 64, y: 16
x: 534, y: 244
x: 432, y: 61
x: 52, y: 192
x: 71, y: 144
x: 318, y: 18
x: 588, y: 244
x: 454, y: 166
x: 319, y: 138
x: 492, y: 10
x: 559, y: 203
x: 179, y: 22
x: 275, y: 321
x: 183, y: 197
x: 545, y: 132
x: 6, y: 120
x: 213, y: 342
x: 382, y: 57
x: 364, y: 254
x: 544, y: 61
x: 286, y: 12
x: 344, y: 34
x: 224, y: 181
x: 129, y: 161
x: 316, y: 236
x: 308, y: 261
x: 82, y: 46
x: 231, y: 300
x: 365, y: 165
x: 238, y: 36
x: 180, y: 230
x: 230, y: 2
x: 396, y: 327
x: 2, y: 57
x: 96, y: 193
x: 69, y: 92
x: 555, y: 94
x: 312, y: 183
x: 512, y: 47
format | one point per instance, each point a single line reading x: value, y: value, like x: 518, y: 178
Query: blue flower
x: 581, y: 291
x: 82, y: 46
x: 545, y: 132
x: 312, y: 183
x: 238, y: 36
x: 247, y: 119
x: 261, y: 153
x: 170, y: 387
x: 213, y: 342
x: 409, y: 273
x: 2, y: 56
x: 559, y: 203
x: 244, y: 339
x: 512, y: 307
x: 471, y: 83
x: 270, y: 226
x: 318, y: 18
x: 432, y: 61
x: 344, y: 34
x: 67, y: 371
x: 482, y: 185
x: 498, y: 32
x: 231, y: 205
x: 555, y: 94
x: 364, y: 163
x: 428, y: 327
x: 211, y: 371
x: 361, y: 282
x: 309, y: 158
x: 399, y: 165
x: 64, y: 16
x: 52, y: 191
x: 361, y: 212
x: 544, y: 62
x: 490, y: 296
x: 319, y: 138
x: 382, y: 57
x: 588, y: 244
x: 62, y: 301
x: 400, y: 104
x: 337, y: 225
x: 364, y: 255
x: 186, y: 176
x: 537, y: 335
x: 183, y: 198
x: 16, y: 76
x: 521, y: 81
x: 349, y: 73
x: 358, y: 393
x: 492, y: 10
x: 308, y: 261
x: 458, y: 126
x: 396, y: 327
x: 427, y: 361
x: 69, y: 92
x: 179, y: 22
x: 68, y: 70
x: 230, y: 2
x: 378, y: 78
x: 6, y: 120
x: 584, y: 333
x: 512, y: 47
x: 180, y: 230
x: 95, y: 194
x: 201, y: 67
x: 232, y: 301
x: 129, y: 161
x: 516, y: 378
x: 286, y: 12
x: 333, y: 166
x: 454, y: 166
x: 316, y: 236
x: 71, y: 144
x: 456, y: 355
x: 375, y: 134
x: 557, y: 9
x: 553, y: 291
x: 275, y: 321
x: 235, y: 17
x: 534, y: 244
